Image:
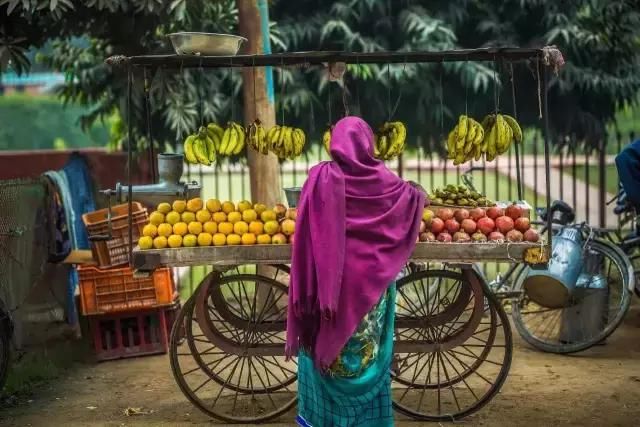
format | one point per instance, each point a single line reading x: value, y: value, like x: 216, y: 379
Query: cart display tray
x: 227, y: 256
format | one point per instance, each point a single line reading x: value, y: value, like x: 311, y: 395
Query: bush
x: 32, y: 123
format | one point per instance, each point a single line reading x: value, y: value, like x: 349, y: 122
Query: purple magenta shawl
x: 357, y: 225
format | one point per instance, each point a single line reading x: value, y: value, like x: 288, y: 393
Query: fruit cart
x: 453, y: 344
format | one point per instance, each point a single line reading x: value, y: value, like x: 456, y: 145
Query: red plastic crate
x: 115, y: 252
x: 123, y: 335
x: 116, y: 290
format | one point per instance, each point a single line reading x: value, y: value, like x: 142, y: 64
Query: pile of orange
x: 197, y: 223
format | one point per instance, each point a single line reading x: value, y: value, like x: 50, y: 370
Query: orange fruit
x: 256, y: 227
x: 189, y: 241
x: 172, y: 217
x: 288, y: 227
x: 188, y: 217
x: 165, y: 230
x: 234, y: 217
x: 164, y: 208
x: 194, y: 205
x: 264, y: 239
x: 267, y: 216
x: 259, y: 208
x: 194, y: 227
x: 248, y: 239
x: 203, y: 216
x: 179, y: 206
x: 156, y: 218
x: 174, y: 241
x: 240, y: 228
x: 225, y: 228
x: 228, y: 207
x: 180, y: 228
x: 204, y: 239
x: 214, y: 205
x: 233, y: 240
x: 244, y: 205
x: 210, y: 227
x: 219, y: 239
x: 150, y: 230
x: 160, y: 242
x: 145, y: 242
x: 219, y: 217
x: 249, y: 215
x: 271, y: 227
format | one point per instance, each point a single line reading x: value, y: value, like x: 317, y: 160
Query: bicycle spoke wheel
x: 595, y: 308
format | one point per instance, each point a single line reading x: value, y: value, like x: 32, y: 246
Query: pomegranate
x: 461, y: 237
x: 477, y: 213
x: 514, y: 236
x: 429, y: 237
x: 504, y: 224
x: 452, y: 225
x: 437, y: 226
x: 445, y: 214
x: 495, y: 212
x: 531, y: 235
x: 478, y: 237
x: 469, y: 226
x: 496, y: 236
x: 486, y: 225
x: 513, y: 211
x: 423, y: 227
x: 461, y: 214
x: 444, y: 237
x: 522, y: 224
x: 422, y: 237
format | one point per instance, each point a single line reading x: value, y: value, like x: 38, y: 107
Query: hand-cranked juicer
x: 168, y: 188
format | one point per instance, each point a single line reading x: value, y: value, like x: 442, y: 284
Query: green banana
x: 200, y: 151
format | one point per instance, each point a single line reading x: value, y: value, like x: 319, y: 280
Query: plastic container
x: 122, y: 335
x: 116, y: 290
x: 115, y: 252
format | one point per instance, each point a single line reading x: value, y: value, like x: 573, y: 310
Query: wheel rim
x: 227, y: 386
x: 451, y: 383
x: 575, y: 327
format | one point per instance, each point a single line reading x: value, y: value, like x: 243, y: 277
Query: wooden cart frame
x: 453, y: 344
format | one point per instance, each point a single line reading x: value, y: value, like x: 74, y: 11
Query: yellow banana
x: 515, y: 127
x: 399, y: 131
x: 226, y: 139
x: 326, y: 140
x: 479, y: 135
x: 300, y: 141
x: 451, y: 144
x: 241, y: 139
x: 215, y: 133
x: 462, y: 132
x: 203, y: 134
x: 471, y: 133
x: 383, y: 147
x: 189, y: 156
x: 234, y: 140
x: 491, y: 150
x: 503, y: 136
x: 477, y: 152
x: 200, y: 151
x: 262, y: 140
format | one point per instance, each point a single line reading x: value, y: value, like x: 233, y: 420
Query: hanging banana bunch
x: 390, y: 140
x: 199, y: 148
x: 233, y: 140
x: 492, y: 137
x: 285, y: 142
x: 257, y: 137
x: 326, y: 140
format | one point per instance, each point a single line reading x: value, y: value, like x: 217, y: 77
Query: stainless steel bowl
x: 206, y: 44
x: 293, y: 196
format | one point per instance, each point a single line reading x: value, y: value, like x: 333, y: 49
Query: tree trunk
x: 264, y: 171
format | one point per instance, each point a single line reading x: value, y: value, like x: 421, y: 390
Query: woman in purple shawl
x: 357, y: 226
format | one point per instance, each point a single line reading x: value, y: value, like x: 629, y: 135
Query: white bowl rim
x: 207, y: 34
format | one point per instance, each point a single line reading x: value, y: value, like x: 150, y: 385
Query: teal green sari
x: 356, y: 392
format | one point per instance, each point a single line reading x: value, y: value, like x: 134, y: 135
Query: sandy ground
x: 599, y: 387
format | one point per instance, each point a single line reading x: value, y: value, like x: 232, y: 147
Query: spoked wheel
x: 235, y: 374
x: 596, y: 307
x: 449, y: 379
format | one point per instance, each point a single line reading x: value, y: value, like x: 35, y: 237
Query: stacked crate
x: 128, y: 316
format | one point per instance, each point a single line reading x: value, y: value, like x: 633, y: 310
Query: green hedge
x: 41, y: 122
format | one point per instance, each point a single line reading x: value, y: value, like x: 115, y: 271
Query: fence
x: 586, y: 179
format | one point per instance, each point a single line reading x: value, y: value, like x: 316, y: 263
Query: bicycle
x: 573, y: 326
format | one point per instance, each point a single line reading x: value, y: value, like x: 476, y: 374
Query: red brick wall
x: 106, y: 168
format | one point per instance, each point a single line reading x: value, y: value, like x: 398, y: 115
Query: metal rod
x: 319, y: 58
x: 547, y: 162
x: 517, y: 146
x: 602, y: 181
x: 130, y: 161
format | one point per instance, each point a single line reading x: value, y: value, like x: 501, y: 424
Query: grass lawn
x: 594, y: 176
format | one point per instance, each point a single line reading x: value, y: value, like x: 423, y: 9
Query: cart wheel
x: 449, y: 383
x: 226, y: 386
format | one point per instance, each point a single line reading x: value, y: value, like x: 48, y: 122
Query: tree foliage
x: 599, y: 38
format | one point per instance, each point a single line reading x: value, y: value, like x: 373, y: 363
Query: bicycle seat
x: 561, y: 213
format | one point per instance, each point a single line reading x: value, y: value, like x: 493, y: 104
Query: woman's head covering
x: 357, y: 226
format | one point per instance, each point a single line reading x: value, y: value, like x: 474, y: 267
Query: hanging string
x: 200, y: 94
x: 515, y: 115
x: 388, y: 92
x: 539, y: 89
x: 282, y: 90
x: 147, y: 96
x: 400, y: 92
x: 255, y: 99
x: 466, y: 92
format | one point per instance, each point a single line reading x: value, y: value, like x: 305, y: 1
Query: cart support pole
x: 547, y: 147
x: 264, y: 171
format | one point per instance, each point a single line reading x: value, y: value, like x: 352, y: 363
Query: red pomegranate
x: 514, y: 236
x: 477, y: 213
x: 452, y: 225
x: 429, y: 237
x: 495, y: 212
x: 522, y: 224
x: 445, y: 214
x: 486, y: 225
x: 531, y: 235
x: 504, y: 224
x: 437, y: 226
x: 461, y: 237
x: 444, y: 237
x: 513, y: 211
x: 461, y: 214
x: 496, y: 236
x: 468, y: 226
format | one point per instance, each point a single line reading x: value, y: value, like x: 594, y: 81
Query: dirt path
x: 600, y: 387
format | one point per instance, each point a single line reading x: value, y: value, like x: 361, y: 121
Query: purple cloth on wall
x: 357, y: 225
